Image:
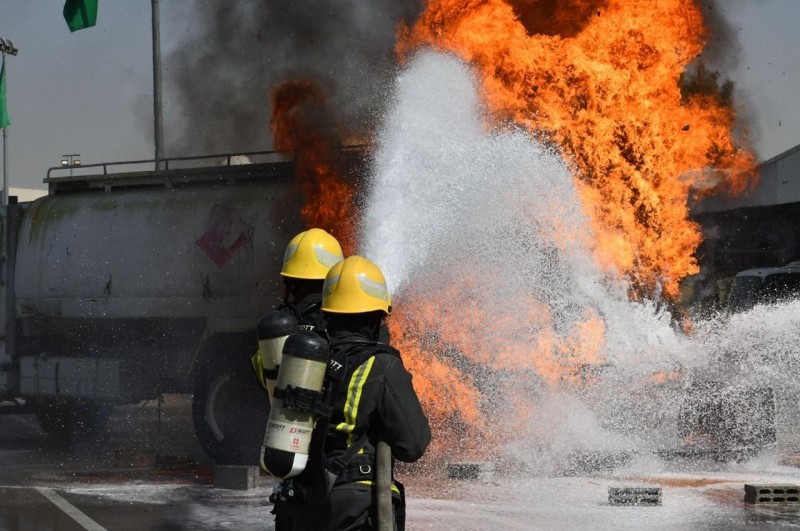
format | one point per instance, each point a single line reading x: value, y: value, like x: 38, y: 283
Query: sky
x: 90, y: 92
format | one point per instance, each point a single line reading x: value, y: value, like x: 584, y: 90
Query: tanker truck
x: 120, y: 286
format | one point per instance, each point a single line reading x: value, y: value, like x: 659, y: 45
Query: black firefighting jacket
x: 376, y: 398
x: 374, y: 401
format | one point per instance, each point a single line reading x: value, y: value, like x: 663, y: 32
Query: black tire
x: 68, y: 422
x: 732, y: 418
x: 229, y: 407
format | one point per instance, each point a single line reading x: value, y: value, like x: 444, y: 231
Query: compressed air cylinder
x: 272, y: 331
x: 286, y: 442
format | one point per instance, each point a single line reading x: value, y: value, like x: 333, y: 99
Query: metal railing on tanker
x: 193, y: 162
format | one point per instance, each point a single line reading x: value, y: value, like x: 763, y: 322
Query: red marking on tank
x: 221, y: 240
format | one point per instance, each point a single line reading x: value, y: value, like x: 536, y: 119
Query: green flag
x: 4, y: 121
x: 80, y: 14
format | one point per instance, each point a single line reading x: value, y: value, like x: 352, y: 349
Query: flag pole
x: 5, y: 150
x: 6, y: 47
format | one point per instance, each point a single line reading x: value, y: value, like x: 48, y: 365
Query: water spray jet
x: 503, y: 314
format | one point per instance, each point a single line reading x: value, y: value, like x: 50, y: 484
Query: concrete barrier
x: 637, y: 496
x: 772, y: 494
x: 235, y: 477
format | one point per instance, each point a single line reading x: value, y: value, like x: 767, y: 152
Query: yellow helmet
x: 355, y: 285
x: 310, y: 255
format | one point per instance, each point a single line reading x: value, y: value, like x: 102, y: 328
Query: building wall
x: 758, y: 229
x: 779, y: 184
x: 26, y: 194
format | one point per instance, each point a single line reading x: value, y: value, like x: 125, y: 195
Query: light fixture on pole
x: 70, y: 161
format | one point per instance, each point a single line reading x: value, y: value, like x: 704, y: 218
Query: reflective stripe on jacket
x: 376, y: 398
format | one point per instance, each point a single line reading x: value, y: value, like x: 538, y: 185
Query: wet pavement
x: 46, y: 487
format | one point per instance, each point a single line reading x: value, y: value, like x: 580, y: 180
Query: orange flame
x: 607, y: 82
x: 476, y: 370
x: 601, y: 79
x: 298, y: 118
x: 448, y: 396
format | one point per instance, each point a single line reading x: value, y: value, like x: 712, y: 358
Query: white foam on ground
x: 690, y: 501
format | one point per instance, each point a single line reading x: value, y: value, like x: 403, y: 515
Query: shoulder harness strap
x: 334, y: 467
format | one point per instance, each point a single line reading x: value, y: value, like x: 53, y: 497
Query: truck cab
x: 766, y: 285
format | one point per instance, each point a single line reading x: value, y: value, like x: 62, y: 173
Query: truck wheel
x: 71, y: 421
x: 729, y: 418
x: 230, y: 410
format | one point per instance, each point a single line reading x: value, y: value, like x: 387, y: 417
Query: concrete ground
x: 45, y: 487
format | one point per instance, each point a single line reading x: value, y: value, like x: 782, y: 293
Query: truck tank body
x: 207, y: 250
x: 128, y: 286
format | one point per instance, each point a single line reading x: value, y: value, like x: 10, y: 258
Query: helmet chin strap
x: 367, y: 324
x: 296, y: 289
x: 289, y: 290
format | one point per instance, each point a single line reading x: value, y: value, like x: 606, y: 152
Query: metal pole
x: 158, y: 129
x: 5, y: 154
x: 383, y: 477
x: 5, y: 167
x: 13, y: 214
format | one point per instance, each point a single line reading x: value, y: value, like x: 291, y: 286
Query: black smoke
x: 231, y: 54
x: 722, y: 54
x: 723, y: 47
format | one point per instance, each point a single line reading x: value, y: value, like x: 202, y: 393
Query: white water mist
x: 495, y: 216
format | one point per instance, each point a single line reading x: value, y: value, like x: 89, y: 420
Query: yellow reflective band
x: 353, y: 398
x: 372, y: 484
x: 258, y: 366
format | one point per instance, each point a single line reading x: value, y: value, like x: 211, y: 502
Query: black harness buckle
x: 290, y: 491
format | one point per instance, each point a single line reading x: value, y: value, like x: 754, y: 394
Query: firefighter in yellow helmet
x: 372, y: 401
x: 308, y: 258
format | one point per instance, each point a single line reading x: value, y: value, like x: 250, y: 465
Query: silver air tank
x: 272, y: 331
x: 291, y: 419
